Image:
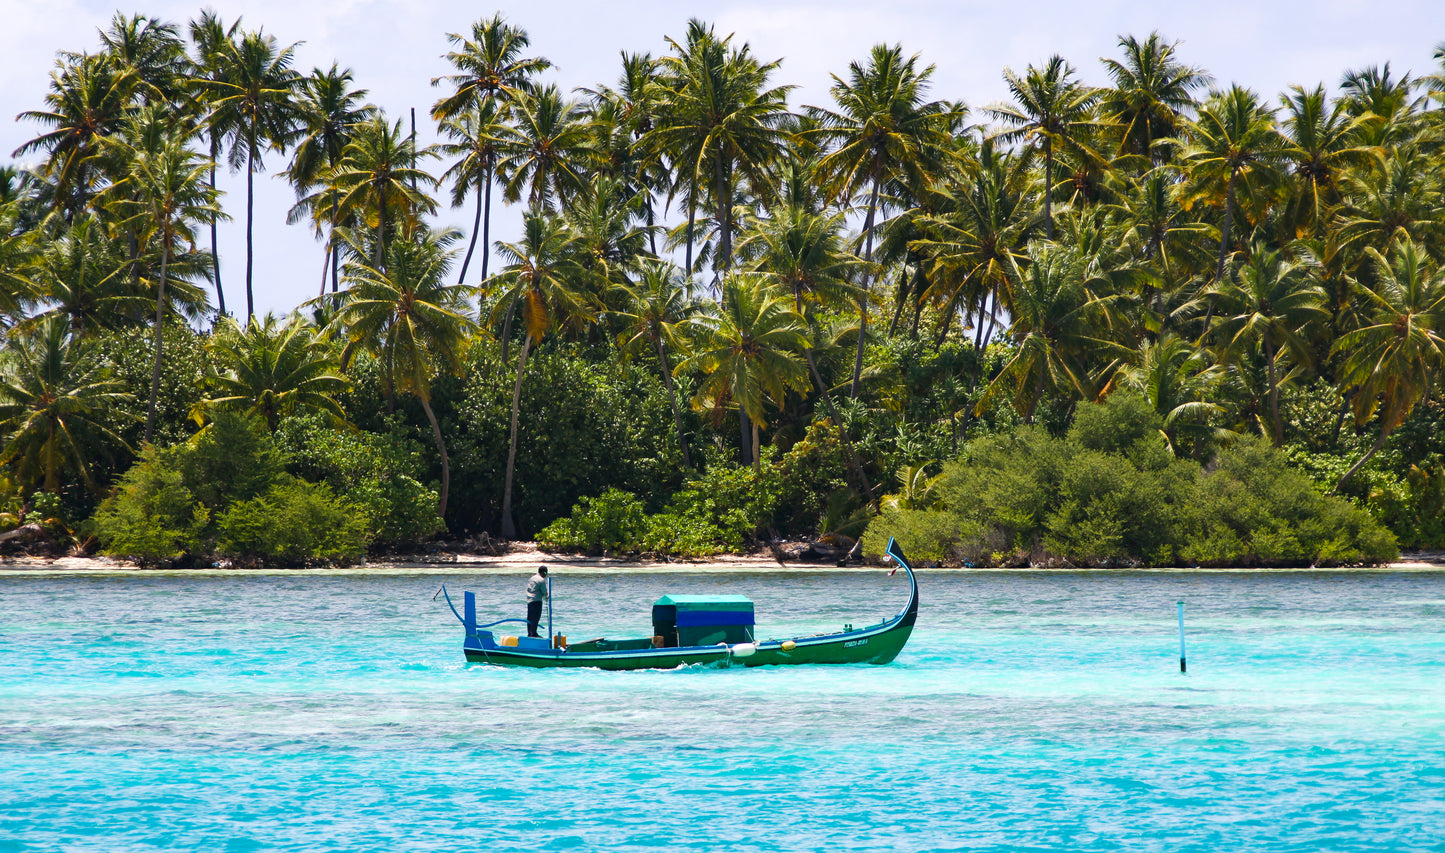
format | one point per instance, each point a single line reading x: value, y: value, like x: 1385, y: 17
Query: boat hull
x: 876, y: 645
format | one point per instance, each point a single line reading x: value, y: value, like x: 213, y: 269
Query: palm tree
x: 1177, y: 378
x: 542, y: 149
x: 490, y: 68
x: 376, y: 182
x: 164, y: 191
x: 88, y: 100
x: 18, y: 252
x: 1152, y: 92
x: 543, y: 280
x: 748, y: 350
x: 1052, y: 112
x: 328, y: 112
x: 86, y: 275
x: 214, y: 43
x: 1060, y: 330
x: 256, y: 89
x: 151, y: 49
x: 803, y: 254
x: 1231, y: 146
x: 408, y: 316
x: 719, y: 119
x: 1395, y: 360
x: 1268, y: 302
x: 659, y: 303
x: 56, y: 401
x: 1321, y: 150
x: 273, y: 368
x: 477, y: 135
x: 882, y: 130
x: 1403, y: 200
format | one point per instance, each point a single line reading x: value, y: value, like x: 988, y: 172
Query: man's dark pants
x: 534, y: 616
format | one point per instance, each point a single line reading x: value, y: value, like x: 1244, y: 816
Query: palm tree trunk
x: 215, y: 252
x: 436, y: 434
x: 1048, y: 188
x: 250, y: 213
x: 757, y: 451
x: 1379, y: 442
x: 691, y: 220
x: 853, y: 459
x: 380, y: 231
x: 509, y: 527
x: 487, y: 223
x: 856, y: 385
x: 325, y: 270
x: 745, y: 454
x: 472, y: 244
x: 1276, y: 427
x: 160, y: 325
x: 672, y: 398
x: 1224, y: 231
x: 723, y: 199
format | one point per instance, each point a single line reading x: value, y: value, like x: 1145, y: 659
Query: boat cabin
x: 702, y: 620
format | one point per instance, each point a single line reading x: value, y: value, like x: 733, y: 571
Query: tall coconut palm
x: 1398, y: 357
x: 1232, y: 146
x: 214, y: 42
x: 1268, y: 302
x: 1321, y: 150
x: 883, y: 129
x: 166, y: 193
x: 89, y: 99
x: 377, y: 182
x: 720, y: 121
x: 151, y: 49
x: 256, y: 87
x: 475, y: 147
x: 544, y: 280
x: 1152, y: 92
x: 490, y: 68
x: 56, y: 403
x: 87, y: 276
x: 542, y: 150
x: 273, y: 368
x: 1065, y: 335
x: 748, y: 351
x: 409, y: 316
x: 803, y: 254
x: 329, y: 110
x: 658, y: 303
x: 1052, y: 113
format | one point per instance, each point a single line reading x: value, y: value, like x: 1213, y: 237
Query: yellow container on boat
x: 507, y: 640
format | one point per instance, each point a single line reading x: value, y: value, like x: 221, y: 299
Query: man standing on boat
x: 536, y: 595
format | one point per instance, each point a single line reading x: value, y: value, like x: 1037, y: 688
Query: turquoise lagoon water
x: 1031, y: 711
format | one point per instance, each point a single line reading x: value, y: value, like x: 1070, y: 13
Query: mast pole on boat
x: 551, y: 635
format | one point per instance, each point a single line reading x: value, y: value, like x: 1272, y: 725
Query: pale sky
x: 395, y: 49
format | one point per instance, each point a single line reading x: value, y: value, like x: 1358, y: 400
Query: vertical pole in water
x: 1182, y: 666
x: 553, y: 640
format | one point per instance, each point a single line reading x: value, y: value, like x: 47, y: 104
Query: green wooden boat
x: 695, y: 630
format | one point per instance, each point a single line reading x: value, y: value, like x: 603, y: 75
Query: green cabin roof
x: 707, y: 602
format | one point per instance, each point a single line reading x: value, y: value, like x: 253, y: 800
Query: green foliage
x: 380, y: 473
x: 585, y: 426
x: 130, y: 355
x: 225, y: 491
x: 294, y: 523
x: 1110, y: 494
x: 612, y: 522
x: 153, y: 517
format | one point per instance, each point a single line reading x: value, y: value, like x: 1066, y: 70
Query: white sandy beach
x: 524, y: 556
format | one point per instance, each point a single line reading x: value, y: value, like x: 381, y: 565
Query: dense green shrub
x: 293, y: 524
x: 225, y: 491
x: 152, y: 517
x: 1109, y: 493
x: 614, y: 521
x: 380, y: 473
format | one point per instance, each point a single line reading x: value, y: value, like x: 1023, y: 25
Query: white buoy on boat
x: 744, y: 650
